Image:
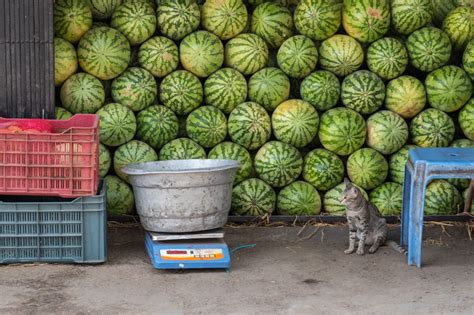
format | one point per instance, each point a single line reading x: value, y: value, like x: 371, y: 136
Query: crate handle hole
x: 453, y: 154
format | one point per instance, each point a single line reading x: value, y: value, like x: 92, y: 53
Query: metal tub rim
x: 169, y: 167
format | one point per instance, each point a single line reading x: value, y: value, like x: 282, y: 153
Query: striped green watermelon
x: 323, y: 169
x: 225, y: 89
x: 332, y: 200
x: 120, y: 198
x: 249, y: 125
x: 321, y: 89
x: 82, y: 93
x: 295, y: 122
x: 246, y: 53
x: 342, y: 130
x: 72, y: 19
x: 65, y: 60
x: 226, y: 19
x: 442, y: 198
x: 136, y: 20
x: 117, y: 124
x: 397, y: 163
x: 181, y: 91
x: 432, y: 128
x: 341, y: 54
x: 269, y: 87
x: 207, y: 125
x: 278, y: 163
x: 132, y: 152
x: 297, y: 56
x: 135, y: 88
x: 253, y: 197
x: 387, y: 132
x: 410, y: 15
x: 406, y: 96
x: 448, y: 88
x: 151, y: 3
x: 182, y: 149
x: 105, y: 160
x: 104, y: 52
x: 176, y: 19
x: 298, y: 198
x: 273, y: 22
x: 459, y: 26
x: 103, y: 9
x: 462, y: 143
x: 441, y: 8
x: 466, y: 119
x: 428, y: 48
x: 318, y: 19
x: 366, y: 20
x: 367, y: 168
x: 363, y: 91
x: 61, y: 113
x: 201, y: 53
x: 387, y: 58
x: 388, y: 198
x: 159, y: 55
x: 468, y: 59
x: 157, y: 125
x: 233, y: 151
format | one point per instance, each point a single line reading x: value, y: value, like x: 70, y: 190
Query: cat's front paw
x: 360, y: 251
x: 372, y: 250
x: 349, y: 251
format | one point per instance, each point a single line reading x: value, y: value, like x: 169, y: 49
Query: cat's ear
x: 347, y: 182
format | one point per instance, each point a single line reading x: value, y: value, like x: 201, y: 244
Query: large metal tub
x: 182, y: 195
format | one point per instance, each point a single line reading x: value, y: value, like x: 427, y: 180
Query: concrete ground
x: 283, y: 274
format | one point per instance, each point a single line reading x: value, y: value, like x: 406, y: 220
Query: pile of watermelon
x: 302, y: 93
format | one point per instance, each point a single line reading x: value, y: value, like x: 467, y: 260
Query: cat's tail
x: 396, y: 247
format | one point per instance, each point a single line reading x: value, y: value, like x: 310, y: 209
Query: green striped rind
x: 132, y: 152
x: 410, y: 15
x: 363, y: 91
x: 341, y: 54
x: 318, y: 19
x: 226, y: 18
x: 72, y: 19
x: 234, y: 151
x: 397, y: 163
x: 105, y: 160
x: 388, y: 198
x: 367, y: 168
x: 366, y: 20
x: 406, y: 96
x: 201, y: 53
x: 253, y: 197
x: 159, y: 55
x: 61, y: 113
x: 297, y: 56
x: 387, y: 132
x: 432, y: 128
x: 295, y: 122
x: 181, y: 91
x: 442, y: 198
x: 428, y: 48
x: 332, y: 203
x: 459, y: 26
x: 387, y: 58
x: 448, y: 88
x: 120, y: 199
x: 135, y: 88
x: 65, y: 60
x: 136, y: 20
x: 225, y: 89
x: 323, y: 169
x: 176, y: 19
x: 269, y: 87
x: 468, y: 59
x: 463, y: 143
x: 152, y: 3
x: 299, y: 198
x: 157, y: 125
x: 273, y: 22
x: 249, y: 125
x: 342, y: 130
x: 82, y: 93
x: 440, y: 9
x: 278, y: 163
x: 321, y: 89
x: 466, y: 119
x: 182, y: 149
x: 104, y: 52
x: 246, y: 53
x: 207, y: 125
x: 117, y: 124
x: 461, y: 183
x: 103, y: 9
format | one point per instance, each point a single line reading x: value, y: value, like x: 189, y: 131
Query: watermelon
x: 332, y: 200
x: 323, y: 169
x: 441, y: 8
x: 246, y: 53
x: 207, y: 125
x: 397, y: 163
x: 428, y: 48
x: 117, y: 124
x: 135, y: 20
x: 468, y: 59
x: 297, y: 56
x: 442, y: 198
x: 341, y: 54
x: 388, y: 198
x: 367, y: 168
x: 363, y: 91
x: 159, y: 55
x: 105, y: 160
x: 387, y: 132
x: 225, y: 89
x: 249, y: 125
x: 82, y: 93
x: 132, y: 152
x: 387, y: 58
x: 269, y: 87
x: 321, y: 89
x: 459, y: 26
x: 62, y: 113
x: 201, y: 53
x: 157, y: 125
x: 135, y: 88
x: 366, y: 20
x: 103, y: 9
x: 298, y: 198
x: 253, y: 197
x: 278, y: 163
x: 432, y: 128
x: 410, y: 15
x: 342, y: 130
x: 72, y: 19
x: 181, y: 91
x: 406, y: 96
x: 120, y: 199
x: 273, y: 22
x: 176, y: 19
x: 225, y: 19
x: 466, y: 119
x: 318, y: 19
x: 462, y: 143
x: 233, y: 151
x: 65, y: 60
x: 448, y: 88
x: 295, y: 122
x: 182, y: 149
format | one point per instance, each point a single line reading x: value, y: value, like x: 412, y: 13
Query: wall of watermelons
x: 302, y: 93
